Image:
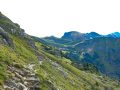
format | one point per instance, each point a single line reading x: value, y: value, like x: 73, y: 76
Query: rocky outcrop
x: 31, y: 43
x: 18, y: 31
x: 23, y: 79
x: 11, y: 27
x: 59, y: 68
x: 6, y: 37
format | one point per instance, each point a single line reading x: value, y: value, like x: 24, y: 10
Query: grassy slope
x: 103, y: 53
x: 49, y: 74
x: 82, y: 79
x: 54, y: 72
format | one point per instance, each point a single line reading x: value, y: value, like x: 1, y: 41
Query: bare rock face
x: 6, y: 38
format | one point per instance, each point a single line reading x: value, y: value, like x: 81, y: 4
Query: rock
x: 13, y: 31
x: 40, y: 56
x: 4, y: 40
x: 31, y: 43
x: 16, y: 79
x: 65, y: 74
x: 55, y: 64
x: 40, y: 62
x: 6, y: 36
x: 22, y: 32
x: 30, y: 66
x: 22, y: 86
x: 35, y: 88
x: 31, y: 75
x: 24, y: 79
x: 10, y: 84
x: 32, y: 79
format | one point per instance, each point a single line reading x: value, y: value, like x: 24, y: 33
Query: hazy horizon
x: 53, y: 18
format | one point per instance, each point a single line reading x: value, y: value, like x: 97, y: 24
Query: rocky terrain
x: 22, y: 79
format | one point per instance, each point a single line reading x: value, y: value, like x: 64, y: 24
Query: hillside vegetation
x: 25, y: 65
x: 90, y: 51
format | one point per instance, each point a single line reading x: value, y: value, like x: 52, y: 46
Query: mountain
x: 56, y: 40
x: 92, y: 35
x: 115, y: 35
x: 69, y: 38
x: 27, y: 64
x: 76, y: 36
x: 102, y: 52
x: 73, y: 35
x: 91, y: 48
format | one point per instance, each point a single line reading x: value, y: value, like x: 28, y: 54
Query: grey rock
x: 22, y: 86
x: 24, y: 79
x: 6, y: 37
x: 31, y: 43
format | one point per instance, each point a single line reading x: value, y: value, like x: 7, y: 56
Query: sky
x: 54, y: 17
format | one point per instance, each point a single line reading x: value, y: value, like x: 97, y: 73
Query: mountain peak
x: 72, y: 35
x: 94, y: 33
x: 115, y: 35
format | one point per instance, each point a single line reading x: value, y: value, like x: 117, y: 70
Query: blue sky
x: 54, y: 17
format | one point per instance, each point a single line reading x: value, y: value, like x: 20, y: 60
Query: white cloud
x: 54, y: 17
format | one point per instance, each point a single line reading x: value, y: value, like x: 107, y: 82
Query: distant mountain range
x: 100, y: 50
x: 74, y: 35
